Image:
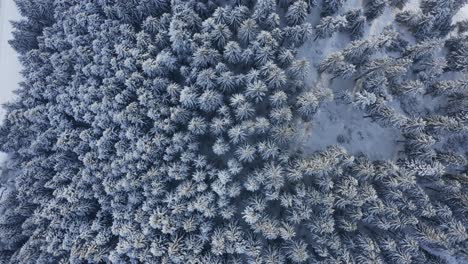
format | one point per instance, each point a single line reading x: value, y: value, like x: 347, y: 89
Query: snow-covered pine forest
x: 237, y: 131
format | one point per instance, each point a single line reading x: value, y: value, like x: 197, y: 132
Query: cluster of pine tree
x: 158, y: 131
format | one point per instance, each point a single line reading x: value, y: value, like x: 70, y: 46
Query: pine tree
x: 450, y: 87
x: 256, y: 91
x: 363, y: 99
x: 329, y: 25
x: 398, y: 3
x: 374, y: 8
x: 246, y: 153
x: 356, y: 22
x: 238, y: 15
x: 265, y: 14
x: 462, y: 26
x: 299, y: 69
x: 330, y: 7
x: 297, y: 252
x: 232, y: 52
x: 307, y: 105
x: 167, y: 132
x: 336, y: 66
x: 210, y: 100
x: 298, y: 35
x: 220, y: 147
x: 411, y: 87
x: 297, y: 13
x: 220, y: 35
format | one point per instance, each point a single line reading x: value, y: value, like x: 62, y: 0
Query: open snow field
x: 9, y: 64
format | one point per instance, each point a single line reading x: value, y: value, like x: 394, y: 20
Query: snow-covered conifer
x: 278, y: 99
x: 329, y: 25
x: 356, y: 22
x: 248, y: 31
x: 450, y: 87
x: 363, y: 99
x: 299, y: 69
x: 220, y: 35
x: 232, y: 52
x: 330, y: 7
x: 204, y: 57
x: 256, y: 91
x: 246, y: 153
x: 307, y: 104
x: 210, y: 100
x: 275, y: 77
x: 298, y: 252
x: 297, y: 13
x: 281, y: 115
x: 220, y: 147
x: 197, y: 125
x: 374, y: 8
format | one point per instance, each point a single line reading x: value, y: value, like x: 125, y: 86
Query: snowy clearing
x: 9, y: 64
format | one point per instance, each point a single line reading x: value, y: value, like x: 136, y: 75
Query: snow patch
x: 339, y: 123
x: 9, y: 64
x: 386, y: 19
x: 461, y: 15
x: 412, y: 5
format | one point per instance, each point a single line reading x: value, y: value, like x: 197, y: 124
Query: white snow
x: 412, y: 5
x: 9, y: 64
x: 378, y: 24
x: 461, y: 15
x: 339, y: 123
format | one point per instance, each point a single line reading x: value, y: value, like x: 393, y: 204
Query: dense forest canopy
x: 164, y: 131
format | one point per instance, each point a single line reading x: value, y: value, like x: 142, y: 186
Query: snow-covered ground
x: 461, y: 15
x: 337, y: 122
x: 9, y: 64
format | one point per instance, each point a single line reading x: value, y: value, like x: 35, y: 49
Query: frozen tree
x: 329, y: 25
x: 275, y: 77
x: 462, y: 26
x: 248, y: 31
x: 411, y: 87
x: 450, y: 87
x: 238, y: 15
x: 330, y: 7
x: 307, y: 104
x: 297, y: 35
x: 256, y: 91
x: 423, y: 50
x: 374, y: 8
x: 299, y: 69
x: 265, y: 14
x: 363, y: 99
x: 456, y: 59
x: 398, y: 3
x: 355, y: 24
x: 336, y: 65
x: 246, y: 153
x: 232, y: 52
x: 297, y: 252
x: 297, y: 13
x: 210, y: 100
x: 220, y: 147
